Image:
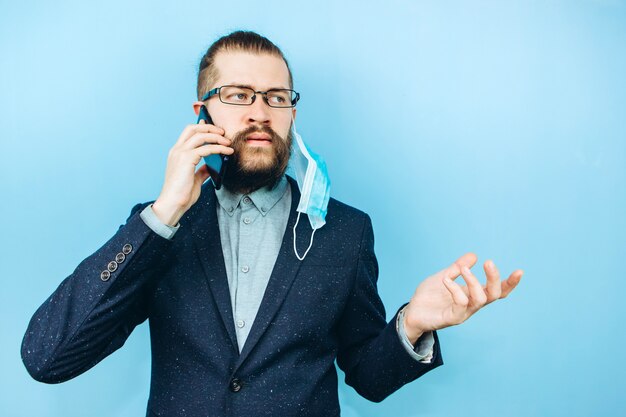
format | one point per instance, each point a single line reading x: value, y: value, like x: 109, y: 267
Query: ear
x: 293, y: 113
x: 196, y: 107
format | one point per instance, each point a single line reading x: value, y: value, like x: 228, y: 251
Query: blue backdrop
x: 499, y: 127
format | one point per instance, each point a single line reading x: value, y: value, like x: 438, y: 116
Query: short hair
x: 241, y: 40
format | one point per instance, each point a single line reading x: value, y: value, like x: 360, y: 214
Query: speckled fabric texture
x: 312, y: 313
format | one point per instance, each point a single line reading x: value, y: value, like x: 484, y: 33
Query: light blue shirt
x: 251, y: 232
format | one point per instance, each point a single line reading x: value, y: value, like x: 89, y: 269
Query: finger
x: 454, y: 270
x: 194, y: 156
x: 197, y: 128
x: 458, y: 296
x: 200, y: 139
x: 468, y: 260
x: 511, y: 282
x: 452, y: 273
x: 207, y: 150
x: 493, y: 287
x: 477, y: 295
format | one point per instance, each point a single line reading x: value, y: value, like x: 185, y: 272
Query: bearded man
x: 241, y: 324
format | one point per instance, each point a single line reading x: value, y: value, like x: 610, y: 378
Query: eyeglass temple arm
x: 210, y: 94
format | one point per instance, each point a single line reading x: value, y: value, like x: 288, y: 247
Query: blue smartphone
x: 217, y: 163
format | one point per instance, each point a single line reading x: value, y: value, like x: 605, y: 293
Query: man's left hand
x: 440, y: 302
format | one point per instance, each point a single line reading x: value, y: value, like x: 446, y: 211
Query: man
x: 240, y: 323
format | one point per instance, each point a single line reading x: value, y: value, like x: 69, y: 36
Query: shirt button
x: 235, y: 385
x: 245, y: 268
x: 240, y: 323
x: 230, y: 209
x: 247, y: 220
x: 247, y: 200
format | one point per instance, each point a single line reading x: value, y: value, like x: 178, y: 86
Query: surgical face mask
x: 314, y: 183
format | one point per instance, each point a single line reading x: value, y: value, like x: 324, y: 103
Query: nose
x: 259, y: 112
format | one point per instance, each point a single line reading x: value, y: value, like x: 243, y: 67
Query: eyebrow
x: 252, y: 88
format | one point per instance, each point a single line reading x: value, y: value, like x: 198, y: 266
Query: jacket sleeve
x: 94, y: 310
x: 370, y: 352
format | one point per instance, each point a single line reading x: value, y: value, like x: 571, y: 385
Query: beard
x: 253, y: 167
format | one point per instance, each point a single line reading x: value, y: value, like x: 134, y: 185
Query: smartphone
x: 217, y: 163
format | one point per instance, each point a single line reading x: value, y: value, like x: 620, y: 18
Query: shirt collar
x: 264, y: 198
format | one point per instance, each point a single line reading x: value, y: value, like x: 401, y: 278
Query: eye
x: 278, y: 97
x: 236, y: 95
x: 239, y: 97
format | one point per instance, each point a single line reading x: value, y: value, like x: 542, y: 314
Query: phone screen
x: 216, y: 163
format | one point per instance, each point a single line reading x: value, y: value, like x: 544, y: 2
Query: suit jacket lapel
x: 206, y: 237
x: 283, y: 274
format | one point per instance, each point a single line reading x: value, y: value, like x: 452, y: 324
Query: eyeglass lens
x: 244, y: 96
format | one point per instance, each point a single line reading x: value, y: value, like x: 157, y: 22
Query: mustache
x: 241, y: 136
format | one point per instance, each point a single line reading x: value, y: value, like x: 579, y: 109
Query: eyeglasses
x: 245, y: 96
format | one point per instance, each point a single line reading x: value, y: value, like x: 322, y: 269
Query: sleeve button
x: 112, y: 266
x: 120, y: 257
x: 105, y: 275
x: 128, y: 248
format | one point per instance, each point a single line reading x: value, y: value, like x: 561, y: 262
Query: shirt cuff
x: 152, y: 221
x: 423, y: 350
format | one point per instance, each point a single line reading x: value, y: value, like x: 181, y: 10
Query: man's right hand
x: 181, y: 188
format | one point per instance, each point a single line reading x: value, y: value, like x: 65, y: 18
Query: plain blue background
x: 489, y: 126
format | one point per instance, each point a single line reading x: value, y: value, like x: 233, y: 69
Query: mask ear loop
x: 294, y: 240
x: 295, y: 249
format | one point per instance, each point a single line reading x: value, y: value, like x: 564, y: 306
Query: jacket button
x: 105, y: 275
x: 127, y: 248
x: 235, y: 385
x: 112, y: 266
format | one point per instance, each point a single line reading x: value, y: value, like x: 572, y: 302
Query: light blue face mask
x: 312, y: 177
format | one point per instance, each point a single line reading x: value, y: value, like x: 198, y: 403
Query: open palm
x: 440, y: 302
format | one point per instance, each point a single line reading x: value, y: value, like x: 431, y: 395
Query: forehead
x: 261, y: 71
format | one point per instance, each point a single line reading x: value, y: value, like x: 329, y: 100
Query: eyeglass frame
x: 216, y: 92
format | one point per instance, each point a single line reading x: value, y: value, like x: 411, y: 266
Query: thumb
x: 454, y: 270
x: 468, y: 260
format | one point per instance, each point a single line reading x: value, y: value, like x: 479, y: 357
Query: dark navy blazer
x: 324, y: 308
